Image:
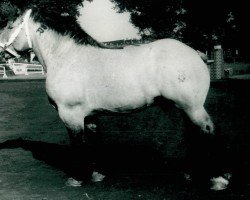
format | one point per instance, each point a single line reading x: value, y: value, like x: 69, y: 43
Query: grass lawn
x: 142, y: 154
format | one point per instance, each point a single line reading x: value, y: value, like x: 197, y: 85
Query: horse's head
x: 16, y: 34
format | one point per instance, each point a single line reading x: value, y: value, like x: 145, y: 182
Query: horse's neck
x: 55, y: 51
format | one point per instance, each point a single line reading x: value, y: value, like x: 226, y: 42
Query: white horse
x: 83, y: 79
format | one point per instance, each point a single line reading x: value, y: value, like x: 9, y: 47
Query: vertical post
x: 4, y: 73
x: 32, y: 56
x: 42, y: 71
x: 26, y: 70
x: 217, y: 69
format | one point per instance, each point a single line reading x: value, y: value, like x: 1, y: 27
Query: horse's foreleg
x: 91, y: 123
x: 76, y: 136
x: 73, y: 118
x: 79, y: 135
x: 91, y: 130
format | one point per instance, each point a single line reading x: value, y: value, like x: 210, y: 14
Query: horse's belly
x: 125, y: 105
x: 123, y: 98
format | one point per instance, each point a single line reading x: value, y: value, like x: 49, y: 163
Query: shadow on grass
x: 110, y: 158
x: 126, y: 166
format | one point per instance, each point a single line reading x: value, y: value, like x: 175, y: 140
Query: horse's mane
x: 58, y: 15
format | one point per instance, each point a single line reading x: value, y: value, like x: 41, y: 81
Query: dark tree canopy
x: 197, y: 23
x: 210, y: 22
x: 201, y: 24
x: 161, y: 16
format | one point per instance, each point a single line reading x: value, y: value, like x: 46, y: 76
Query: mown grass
x: 142, y: 154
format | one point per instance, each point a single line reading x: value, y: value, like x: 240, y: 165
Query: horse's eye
x: 10, y: 27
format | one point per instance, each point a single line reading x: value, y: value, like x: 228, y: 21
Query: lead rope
x: 9, y: 50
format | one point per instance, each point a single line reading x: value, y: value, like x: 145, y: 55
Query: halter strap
x: 27, y: 32
x: 16, y: 33
x: 9, y: 50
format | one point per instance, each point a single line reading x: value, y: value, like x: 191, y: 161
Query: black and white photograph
x: 124, y: 100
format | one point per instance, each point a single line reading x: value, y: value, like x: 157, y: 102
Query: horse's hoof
x: 97, y: 177
x: 73, y: 182
x: 219, y: 183
x: 187, y: 177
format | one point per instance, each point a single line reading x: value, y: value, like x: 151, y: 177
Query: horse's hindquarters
x: 184, y: 78
x: 181, y: 74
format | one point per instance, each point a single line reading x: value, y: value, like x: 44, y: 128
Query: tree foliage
x: 198, y: 23
x: 209, y: 22
x: 159, y: 18
x: 201, y: 24
x: 8, y: 12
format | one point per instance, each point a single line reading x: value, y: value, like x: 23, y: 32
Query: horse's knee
x: 72, y: 117
x: 76, y: 136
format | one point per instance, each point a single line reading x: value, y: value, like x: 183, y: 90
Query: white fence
x: 34, y: 69
x: 3, y: 71
x: 26, y: 69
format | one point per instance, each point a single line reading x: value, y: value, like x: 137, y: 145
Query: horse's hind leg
x: 199, y: 116
x: 206, y: 156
